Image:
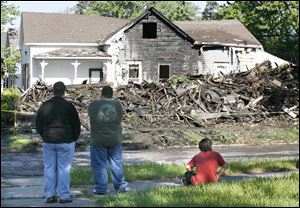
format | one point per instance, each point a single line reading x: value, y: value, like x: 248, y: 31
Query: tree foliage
x: 9, y: 57
x: 9, y: 62
x: 274, y: 23
x: 210, y: 11
x: 9, y: 12
x: 174, y: 10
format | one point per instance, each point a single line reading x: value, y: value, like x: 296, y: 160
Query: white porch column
x: 43, y: 65
x: 75, y: 64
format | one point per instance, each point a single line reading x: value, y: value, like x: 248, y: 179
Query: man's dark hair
x: 107, y: 92
x: 59, y: 88
x: 205, y: 145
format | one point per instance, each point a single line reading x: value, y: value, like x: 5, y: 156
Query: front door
x: 95, y: 75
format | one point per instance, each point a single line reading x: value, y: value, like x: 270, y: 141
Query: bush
x: 18, y: 142
x: 178, y: 79
x: 9, y: 97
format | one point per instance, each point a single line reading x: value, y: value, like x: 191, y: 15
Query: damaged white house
x: 93, y: 49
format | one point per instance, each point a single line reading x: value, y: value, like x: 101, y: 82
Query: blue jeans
x: 99, y: 158
x: 58, y: 159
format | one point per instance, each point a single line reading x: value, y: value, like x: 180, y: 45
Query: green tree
x: 9, y: 12
x: 82, y: 6
x: 210, y: 11
x: 174, y: 10
x: 177, y: 10
x: 274, y: 23
x: 9, y: 62
x: 9, y: 56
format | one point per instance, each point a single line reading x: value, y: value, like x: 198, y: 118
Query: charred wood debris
x: 255, y: 96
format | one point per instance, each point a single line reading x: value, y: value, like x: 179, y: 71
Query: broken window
x: 149, y: 30
x: 134, y: 70
x: 164, y: 72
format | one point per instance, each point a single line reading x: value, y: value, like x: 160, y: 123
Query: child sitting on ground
x: 206, y: 163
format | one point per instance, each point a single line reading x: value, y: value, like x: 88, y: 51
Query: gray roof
x: 221, y: 31
x: 71, y: 28
x: 73, y: 53
x: 66, y: 28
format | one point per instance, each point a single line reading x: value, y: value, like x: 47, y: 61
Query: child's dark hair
x: 107, y: 92
x: 205, y: 145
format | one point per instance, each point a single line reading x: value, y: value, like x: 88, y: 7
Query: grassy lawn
x: 277, y: 192
x: 145, y: 171
x: 153, y: 171
x: 267, y: 192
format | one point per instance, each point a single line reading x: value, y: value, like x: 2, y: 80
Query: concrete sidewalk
x: 28, y: 191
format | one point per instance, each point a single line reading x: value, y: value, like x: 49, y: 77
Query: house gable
x: 162, y: 18
x: 166, y: 45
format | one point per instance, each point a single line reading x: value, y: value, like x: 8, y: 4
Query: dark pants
x: 188, y: 178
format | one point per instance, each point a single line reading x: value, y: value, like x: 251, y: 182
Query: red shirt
x: 206, y: 164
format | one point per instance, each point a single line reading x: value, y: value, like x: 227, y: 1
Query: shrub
x: 18, y: 142
x: 9, y: 97
x: 178, y: 79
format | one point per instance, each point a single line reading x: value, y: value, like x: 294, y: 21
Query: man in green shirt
x: 106, y: 136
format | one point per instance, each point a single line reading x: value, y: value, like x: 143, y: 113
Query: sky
x: 57, y: 6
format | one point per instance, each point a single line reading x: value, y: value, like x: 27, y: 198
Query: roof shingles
x: 66, y: 28
x: 73, y: 53
x: 218, y: 31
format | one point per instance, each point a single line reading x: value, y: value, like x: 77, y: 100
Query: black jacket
x: 57, y: 121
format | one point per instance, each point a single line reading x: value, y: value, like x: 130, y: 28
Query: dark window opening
x: 213, y: 48
x: 149, y: 30
x: 134, y: 70
x: 95, y: 75
x: 164, y: 72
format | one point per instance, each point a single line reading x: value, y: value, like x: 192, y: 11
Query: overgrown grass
x: 257, y: 166
x: 268, y: 135
x: 285, y: 134
x: 81, y: 176
x: 276, y: 192
x: 154, y: 171
x: 17, y: 142
x: 150, y: 171
x: 144, y: 171
x: 192, y: 136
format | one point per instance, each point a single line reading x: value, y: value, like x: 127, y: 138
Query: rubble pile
x: 248, y: 96
x: 80, y: 95
x: 252, y: 96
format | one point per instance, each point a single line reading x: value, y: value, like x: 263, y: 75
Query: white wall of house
x: 227, y: 59
x: 18, y: 73
x: 63, y: 70
x: 115, y: 45
x: 275, y: 61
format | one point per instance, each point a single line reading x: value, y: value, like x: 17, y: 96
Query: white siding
x: 63, y: 70
x: 229, y: 59
x: 275, y: 61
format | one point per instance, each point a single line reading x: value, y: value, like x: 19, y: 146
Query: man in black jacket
x: 58, y: 123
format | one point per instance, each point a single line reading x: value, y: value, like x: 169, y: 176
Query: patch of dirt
x: 180, y: 136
